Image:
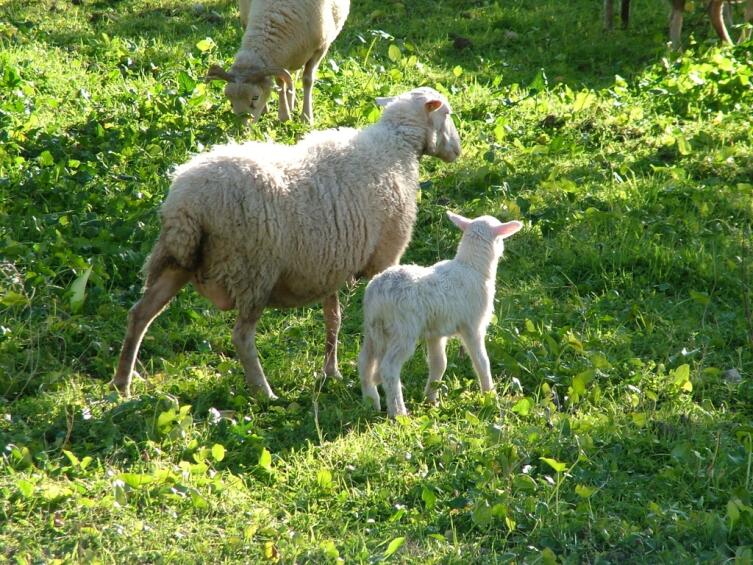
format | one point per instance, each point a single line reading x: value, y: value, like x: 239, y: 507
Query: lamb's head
x: 248, y: 91
x: 426, y: 108
x: 486, y: 229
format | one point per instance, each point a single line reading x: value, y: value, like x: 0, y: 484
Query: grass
x: 621, y: 344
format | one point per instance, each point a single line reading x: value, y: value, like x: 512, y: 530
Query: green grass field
x: 621, y: 343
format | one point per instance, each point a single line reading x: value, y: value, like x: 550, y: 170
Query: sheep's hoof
x: 333, y: 374
x: 123, y: 389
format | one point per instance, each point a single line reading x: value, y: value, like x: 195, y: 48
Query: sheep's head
x: 248, y: 92
x: 433, y: 112
x: 486, y: 228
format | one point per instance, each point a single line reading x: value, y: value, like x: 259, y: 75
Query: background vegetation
x: 621, y: 343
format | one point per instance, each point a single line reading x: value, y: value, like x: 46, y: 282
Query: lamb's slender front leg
x: 331, y: 306
x: 309, y: 75
x: 244, y: 340
x: 474, y: 344
x: 156, y: 296
x: 437, y: 358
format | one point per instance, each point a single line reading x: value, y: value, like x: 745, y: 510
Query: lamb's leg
x: 437, y: 358
x: 244, y: 340
x: 331, y: 306
x: 367, y: 366
x: 309, y: 76
x: 716, y: 13
x: 675, y: 23
x: 389, y: 369
x: 156, y: 296
x: 283, y: 113
x: 474, y: 344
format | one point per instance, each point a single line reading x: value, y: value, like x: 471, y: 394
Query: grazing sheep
x: 716, y: 14
x: 408, y: 302
x: 265, y: 224
x: 281, y: 36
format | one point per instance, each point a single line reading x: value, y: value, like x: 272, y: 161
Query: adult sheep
x: 280, y: 36
x: 264, y: 224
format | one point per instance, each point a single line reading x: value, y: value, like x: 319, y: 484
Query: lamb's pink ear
x: 507, y: 229
x: 458, y: 220
x: 432, y: 105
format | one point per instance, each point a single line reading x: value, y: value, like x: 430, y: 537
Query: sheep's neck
x: 479, y: 256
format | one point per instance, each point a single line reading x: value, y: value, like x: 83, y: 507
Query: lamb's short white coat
x: 281, y: 36
x: 406, y: 303
x: 266, y: 224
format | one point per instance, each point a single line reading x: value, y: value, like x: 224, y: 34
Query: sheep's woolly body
x: 285, y: 225
x: 286, y: 32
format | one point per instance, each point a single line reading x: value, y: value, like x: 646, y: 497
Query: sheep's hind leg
x: 437, y: 358
x: 474, y: 344
x: 283, y: 112
x: 156, y: 296
x: 331, y: 306
x: 389, y: 369
x: 309, y: 75
x: 244, y: 340
x: 367, y: 366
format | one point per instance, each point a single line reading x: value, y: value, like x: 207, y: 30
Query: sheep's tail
x: 179, y: 245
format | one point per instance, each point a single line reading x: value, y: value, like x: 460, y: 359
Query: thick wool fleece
x: 286, y: 33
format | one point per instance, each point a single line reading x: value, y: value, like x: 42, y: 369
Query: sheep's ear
x: 382, y: 101
x: 216, y: 72
x: 458, y: 220
x: 509, y: 228
x: 432, y: 105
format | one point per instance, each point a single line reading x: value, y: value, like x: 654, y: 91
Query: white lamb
x: 409, y: 302
x: 265, y: 224
x: 281, y: 36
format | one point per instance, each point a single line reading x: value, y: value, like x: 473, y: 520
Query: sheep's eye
x: 254, y: 98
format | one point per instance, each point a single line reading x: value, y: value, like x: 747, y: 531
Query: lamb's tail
x: 179, y: 245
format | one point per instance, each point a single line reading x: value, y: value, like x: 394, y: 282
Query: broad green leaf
x: 71, y: 457
x: 78, y: 290
x: 584, y: 491
x: 429, y: 498
x: 471, y: 418
x: 265, y: 459
x: 26, y: 488
x: 394, y: 545
x: 522, y: 406
x: 329, y: 549
x: 218, y: 452
x: 581, y: 380
x: 554, y: 464
x: 548, y: 557
x: 46, y: 159
x: 393, y: 52
x: 206, y: 44
x: 12, y: 298
x: 137, y: 480
x: 583, y: 100
x: 457, y: 70
x: 733, y: 512
x: 700, y: 297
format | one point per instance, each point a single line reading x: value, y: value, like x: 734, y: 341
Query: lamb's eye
x: 254, y: 98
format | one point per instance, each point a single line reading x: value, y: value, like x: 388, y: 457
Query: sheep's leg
x: 608, y: 14
x: 156, y: 296
x: 748, y: 15
x: 389, y: 369
x: 367, y: 366
x: 625, y: 13
x: 291, y: 97
x: 437, y: 358
x: 675, y: 23
x: 474, y: 344
x: 716, y: 13
x: 283, y: 113
x: 331, y: 306
x: 309, y: 76
x: 244, y: 340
